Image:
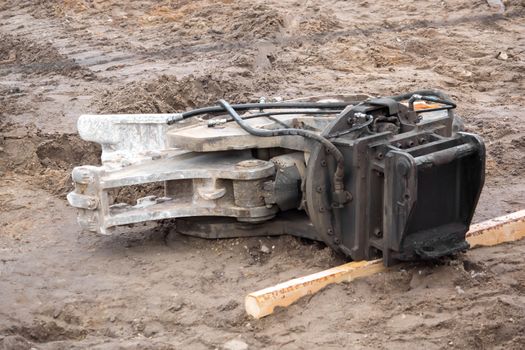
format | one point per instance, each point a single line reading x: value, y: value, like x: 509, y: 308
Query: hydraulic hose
x: 407, y: 95
x: 265, y: 114
x: 270, y: 115
x: 426, y: 95
x: 339, y: 172
x: 416, y: 97
x: 367, y: 123
x: 275, y: 105
x: 278, y: 121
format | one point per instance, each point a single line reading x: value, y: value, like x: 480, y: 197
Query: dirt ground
x: 154, y: 289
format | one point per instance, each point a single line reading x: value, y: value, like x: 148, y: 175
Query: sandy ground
x: 154, y: 289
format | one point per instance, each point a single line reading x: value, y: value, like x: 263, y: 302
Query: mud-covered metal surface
x: 159, y: 290
x: 385, y: 177
x: 412, y: 184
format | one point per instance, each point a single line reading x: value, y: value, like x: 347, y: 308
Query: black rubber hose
x: 270, y: 114
x: 369, y: 121
x: 407, y: 95
x: 275, y: 105
x: 416, y: 97
x: 265, y: 114
x: 427, y: 95
x: 339, y: 172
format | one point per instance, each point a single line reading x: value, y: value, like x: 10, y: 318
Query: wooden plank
x: 263, y: 302
x: 503, y: 229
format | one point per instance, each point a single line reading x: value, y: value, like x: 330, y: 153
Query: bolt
x: 323, y: 163
x: 330, y: 232
x: 422, y: 140
x: 378, y: 233
x: 322, y: 209
x: 319, y: 189
x: 337, y: 240
x: 411, y: 143
x: 379, y: 155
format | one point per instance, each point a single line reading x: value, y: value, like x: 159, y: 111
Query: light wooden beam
x: 263, y: 302
x: 503, y: 229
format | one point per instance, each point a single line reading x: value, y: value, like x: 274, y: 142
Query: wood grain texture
x: 263, y: 302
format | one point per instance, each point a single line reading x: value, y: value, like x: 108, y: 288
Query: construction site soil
x: 152, y: 288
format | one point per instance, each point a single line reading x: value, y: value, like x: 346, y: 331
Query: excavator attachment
x: 392, y: 177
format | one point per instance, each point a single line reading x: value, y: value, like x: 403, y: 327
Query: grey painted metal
x: 205, y: 171
x: 403, y: 169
